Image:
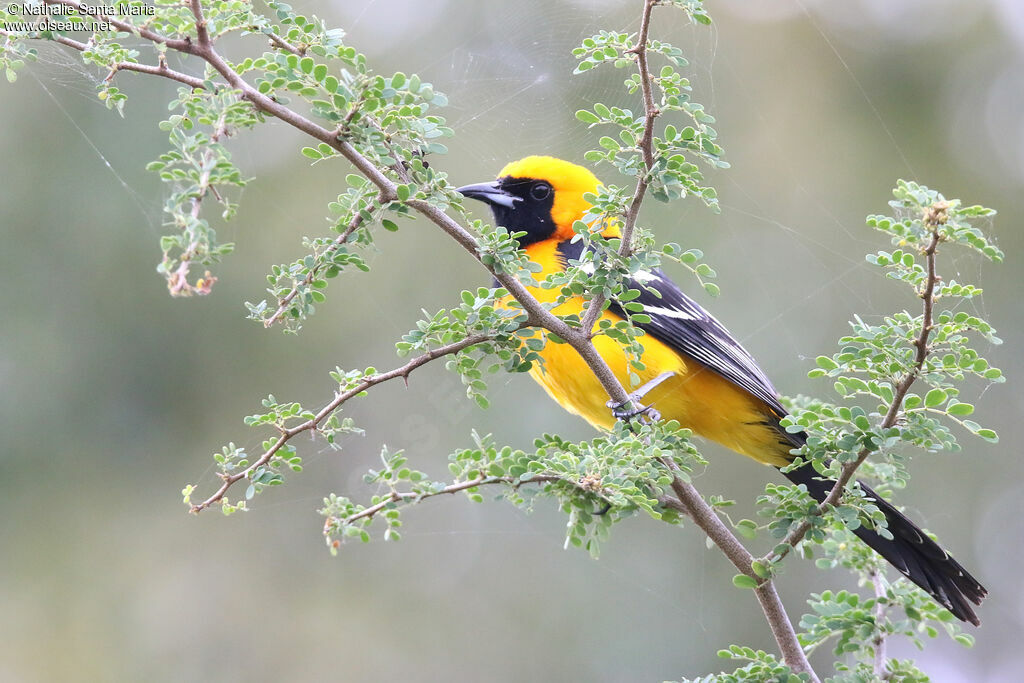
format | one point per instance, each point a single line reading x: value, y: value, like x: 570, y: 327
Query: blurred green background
x: 114, y: 395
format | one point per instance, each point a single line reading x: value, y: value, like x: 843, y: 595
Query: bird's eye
x: 540, y: 191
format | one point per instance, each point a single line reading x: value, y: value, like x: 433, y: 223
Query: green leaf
x: 960, y: 409
x: 587, y: 117
x: 746, y: 528
x: 826, y: 363
x: 744, y: 581
x: 988, y: 435
x: 935, y: 397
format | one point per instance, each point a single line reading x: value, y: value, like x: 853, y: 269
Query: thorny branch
x: 160, y: 69
x: 177, y: 282
x: 287, y: 434
x: 399, y: 496
x: 280, y: 42
x: 704, y: 516
x: 651, y: 112
x: 282, y: 304
x: 934, y: 217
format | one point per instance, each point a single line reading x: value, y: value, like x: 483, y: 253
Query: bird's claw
x: 631, y: 408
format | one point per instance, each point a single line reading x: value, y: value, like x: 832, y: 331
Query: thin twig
x: 178, y: 44
x: 202, y: 34
x: 160, y: 69
x: 177, y: 281
x: 284, y: 44
x: 398, y: 496
x: 651, y: 112
x: 283, y: 302
x: 935, y: 217
x: 287, y: 434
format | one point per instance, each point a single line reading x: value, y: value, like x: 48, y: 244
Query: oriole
x: 710, y: 383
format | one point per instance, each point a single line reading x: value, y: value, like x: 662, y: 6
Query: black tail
x: 918, y: 557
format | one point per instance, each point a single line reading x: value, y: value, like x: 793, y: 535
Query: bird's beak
x: 489, y: 193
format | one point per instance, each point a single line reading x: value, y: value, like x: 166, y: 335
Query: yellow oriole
x: 697, y: 373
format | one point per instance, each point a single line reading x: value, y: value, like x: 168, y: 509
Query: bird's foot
x: 632, y: 406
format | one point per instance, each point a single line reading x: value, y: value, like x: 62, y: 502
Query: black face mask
x: 519, y: 205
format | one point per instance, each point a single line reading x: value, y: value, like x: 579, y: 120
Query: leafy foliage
x: 198, y: 165
x: 876, y: 365
x: 671, y: 174
x: 596, y: 482
x: 509, y: 345
x: 13, y: 52
x: 761, y: 668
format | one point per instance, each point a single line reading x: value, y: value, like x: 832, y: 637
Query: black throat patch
x: 530, y: 211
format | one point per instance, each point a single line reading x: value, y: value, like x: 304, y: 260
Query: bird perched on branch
x: 695, y: 371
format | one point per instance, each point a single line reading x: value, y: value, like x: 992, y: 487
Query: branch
x: 160, y: 69
x: 539, y: 315
x: 399, y: 496
x: 689, y: 499
x: 282, y: 304
x: 177, y: 282
x: 579, y: 339
x: 179, y: 44
x: 705, y: 517
x: 651, y: 112
x: 542, y: 317
x: 934, y: 217
x: 313, y: 423
x: 283, y: 44
x: 202, y: 34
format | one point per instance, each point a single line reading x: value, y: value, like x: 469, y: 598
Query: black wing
x: 680, y: 322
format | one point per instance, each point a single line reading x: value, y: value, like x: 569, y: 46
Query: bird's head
x: 541, y: 196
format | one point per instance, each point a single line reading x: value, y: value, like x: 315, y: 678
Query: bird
x: 694, y: 372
